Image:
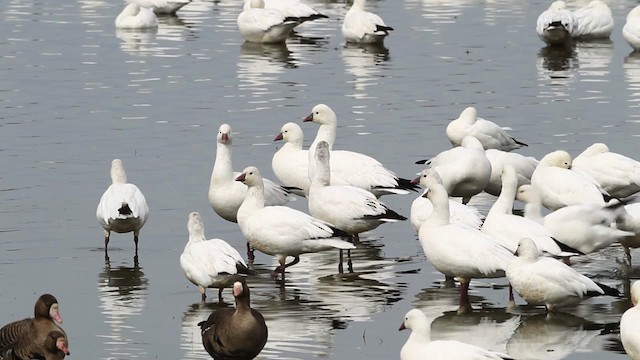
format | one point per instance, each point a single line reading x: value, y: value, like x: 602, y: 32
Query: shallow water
x: 75, y: 93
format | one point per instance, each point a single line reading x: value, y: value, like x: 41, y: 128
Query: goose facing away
x: 629, y: 325
x: 134, y: 16
x: 260, y: 25
x: 122, y: 207
x: 209, y: 263
x: 363, y: 27
x: 490, y: 134
x: 594, y: 20
x: 235, y: 334
x: 556, y: 25
x: 164, y: 7
x: 419, y: 345
x: 631, y: 29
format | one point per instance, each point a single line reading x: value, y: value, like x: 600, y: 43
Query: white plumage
x: 292, y: 8
x: 169, y: 7
x: 628, y: 219
x: 617, y: 174
x: 490, y: 134
x: 594, y: 20
x: 291, y: 163
x: 134, y: 16
x: 260, y: 25
x: 630, y: 325
x: 631, y: 29
x: 363, y: 27
x: 556, y: 25
x: 523, y: 165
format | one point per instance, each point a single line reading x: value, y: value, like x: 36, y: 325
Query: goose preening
x: 32, y: 333
x: 550, y: 282
x: 282, y: 231
x: 631, y: 29
x: 261, y: 25
x: 122, y: 207
x: 630, y: 325
x: 490, y: 134
x: 292, y: 8
x: 594, y: 20
x: 235, y: 334
x: 291, y: 163
x: 168, y: 7
x: 135, y: 17
x: 349, y: 167
x: 419, y: 345
x: 616, y: 174
x: 363, y: 27
x: 556, y: 25
x: 211, y: 263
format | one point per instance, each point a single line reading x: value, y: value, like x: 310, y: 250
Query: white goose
x: 291, y: 163
x: 629, y: 220
x: 349, y: 167
x: 547, y: 281
x: 617, y: 174
x: 457, y: 250
x: 135, y: 17
x: 524, y: 166
x: 465, y: 170
x: 209, y: 263
x: 169, y: 7
x: 363, y: 27
x: 421, y: 207
x: 419, y: 345
x: 595, y: 21
x: 225, y: 194
x: 490, y: 134
x: 556, y: 25
x: 508, y: 229
x: 282, y: 231
x: 586, y: 228
x: 348, y: 208
x: 122, y: 207
x: 629, y: 325
x: 631, y: 29
x: 293, y: 8
x: 558, y: 186
x: 260, y: 25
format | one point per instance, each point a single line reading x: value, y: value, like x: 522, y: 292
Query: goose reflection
x: 137, y: 42
x: 122, y: 291
x: 594, y: 57
x: 363, y: 62
x: 260, y: 64
x: 557, y: 68
x: 173, y: 28
x: 631, y: 68
x: 190, y: 336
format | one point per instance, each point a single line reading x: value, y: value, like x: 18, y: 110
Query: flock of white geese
x: 589, y: 198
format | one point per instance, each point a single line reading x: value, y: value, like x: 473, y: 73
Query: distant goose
x: 260, y: 25
x: 209, y: 263
x: 235, y: 334
x: 550, y: 282
x: 490, y: 134
x: 291, y: 163
x: 282, y: 231
x: 595, y: 21
x: 556, y: 25
x: 122, y: 207
x: 346, y: 207
x: 292, y: 8
x: 419, y: 345
x: 631, y: 29
x: 36, y: 329
x: 134, y: 16
x: 169, y: 7
x: 524, y: 166
x: 363, y: 27
x: 630, y: 325
x: 617, y: 174
x: 54, y: 348
x: 349, y: 167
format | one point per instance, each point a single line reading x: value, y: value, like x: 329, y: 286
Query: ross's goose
x: 122, y: 207
x: 559, y: 186
x: 293, y: 8
x: 556, y: 25
x: 508, y: 229
x: 550, y: 282
x: 346, y: 207
x: 282, y: 231
x: 465, y: 170
x: 617, y: 174
x: 629, y: 220
x: 586, y: 228
x: 169, y: 7
x: 260, y: 25
x: 225, y: 194
x: 594, y: 20
x: 352, y: 168
x: 211, y: 263
x: 235, y: 334
x: 291, y: 163
x: 419, y: 345
x: 134, y: 16
x: 524, y: 166
x: 363, y: 27
x: 631, y: 29
x: 421, y: 207
x: 490, y: 134
x: 630, y: 325
x: 458, y: 250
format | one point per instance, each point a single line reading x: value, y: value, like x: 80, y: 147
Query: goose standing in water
x: 292, y: 8
x: 291, y: 163
x: 363, y: 27
x: 556, y: 25
x: 260, y: 25
x: 630, y: 325
x: 631, y: 29
x: 135, y: 17
x: 490, y: 134
x: 595, y: 21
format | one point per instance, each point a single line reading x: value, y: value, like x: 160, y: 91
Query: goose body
x: 617, y: 174
x: 260, y: 25
x: 363, y: 27
x: 631, y: 29
x: 594, y: 20
x: 291, y: 163
x: 523, y: 165
x: 490, y: 134
x: 629, y: 325
x: 291, y: 8
x: 169, y: 7
x: 557, y: 24
x: 133, y: 16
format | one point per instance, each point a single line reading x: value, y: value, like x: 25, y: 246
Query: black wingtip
x: 608, y: 290
x: 406, y: 184
x: 339, y: 233
x: 567, y: 248
x: 242, y: 269
x: 519, y: 142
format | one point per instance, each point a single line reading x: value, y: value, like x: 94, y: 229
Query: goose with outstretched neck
x: 235, y: 334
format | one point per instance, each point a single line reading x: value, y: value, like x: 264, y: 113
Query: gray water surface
x: 76, y: 93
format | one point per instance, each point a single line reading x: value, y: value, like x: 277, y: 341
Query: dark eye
x: 317, y: 112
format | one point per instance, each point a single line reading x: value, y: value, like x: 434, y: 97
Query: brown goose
x: 37, y: 328
x: 235, y: 334
x: 55, y: 348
